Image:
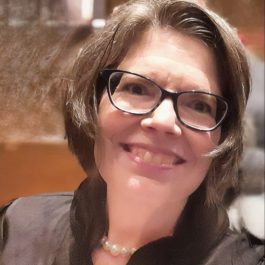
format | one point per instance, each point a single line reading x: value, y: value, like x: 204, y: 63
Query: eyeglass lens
x: 135, y: 94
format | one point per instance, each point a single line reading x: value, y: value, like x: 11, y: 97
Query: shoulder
x: 36, y: 211
x: 237, y: 249
x: 39, y: 223
x: 40, y: 204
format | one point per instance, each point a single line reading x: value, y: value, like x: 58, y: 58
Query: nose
x: 163, y: 119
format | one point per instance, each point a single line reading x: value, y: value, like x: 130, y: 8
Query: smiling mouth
x: 154, y: 158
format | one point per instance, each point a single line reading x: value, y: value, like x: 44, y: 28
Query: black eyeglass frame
x: 106, y: 73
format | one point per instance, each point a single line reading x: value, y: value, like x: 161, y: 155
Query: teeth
x: 148, y: 157
x: 154, y: 158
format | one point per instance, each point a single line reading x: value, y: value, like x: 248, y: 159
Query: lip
x: 154, y: 150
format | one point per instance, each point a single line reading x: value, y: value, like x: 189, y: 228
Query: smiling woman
x: 154, y: 115
x: 126, y: 145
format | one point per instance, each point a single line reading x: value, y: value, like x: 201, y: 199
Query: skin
x: 145, y: 199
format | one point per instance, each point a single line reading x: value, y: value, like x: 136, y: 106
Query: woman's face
x: 155, y: 155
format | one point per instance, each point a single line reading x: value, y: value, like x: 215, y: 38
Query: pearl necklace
x: 115, y: 249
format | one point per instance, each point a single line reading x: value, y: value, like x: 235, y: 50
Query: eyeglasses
x: 135, y: 94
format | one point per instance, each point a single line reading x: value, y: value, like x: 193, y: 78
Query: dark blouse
x: 36, y: 231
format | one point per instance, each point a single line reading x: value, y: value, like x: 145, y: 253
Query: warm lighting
x: 98, y: 23
x: 87, y: 9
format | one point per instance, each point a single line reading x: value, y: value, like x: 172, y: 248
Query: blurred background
x: 39, y: 40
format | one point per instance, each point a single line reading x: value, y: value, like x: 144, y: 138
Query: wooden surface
x: 32, y: 168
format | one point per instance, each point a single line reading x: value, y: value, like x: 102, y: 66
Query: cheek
x: 97, y: 149
x: 112, y: 127
x: 99, y: 152
x: 107, y: 122
x: 200, y: 145
x: 204, y: 142
x: 104, y: 154
x: 215, y: 136
x: 103, y: 133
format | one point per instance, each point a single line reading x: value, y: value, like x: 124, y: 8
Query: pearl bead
x: 124, y: 251
x: 115, y: 249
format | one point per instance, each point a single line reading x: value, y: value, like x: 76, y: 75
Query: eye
x: 135, y: 89
x: 201, y: 106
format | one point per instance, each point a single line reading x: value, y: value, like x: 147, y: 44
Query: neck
x: 137, y: 220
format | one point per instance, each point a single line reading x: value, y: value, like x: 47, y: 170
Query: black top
x: 36, y: 231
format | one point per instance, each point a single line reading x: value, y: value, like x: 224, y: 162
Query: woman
x: 158, y: 97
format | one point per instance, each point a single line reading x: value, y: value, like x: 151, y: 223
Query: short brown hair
x: 109, y: 46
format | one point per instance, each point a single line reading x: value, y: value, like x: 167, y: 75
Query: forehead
x: 169, y: 56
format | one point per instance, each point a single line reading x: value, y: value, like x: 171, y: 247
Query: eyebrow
x: 154, y: 77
